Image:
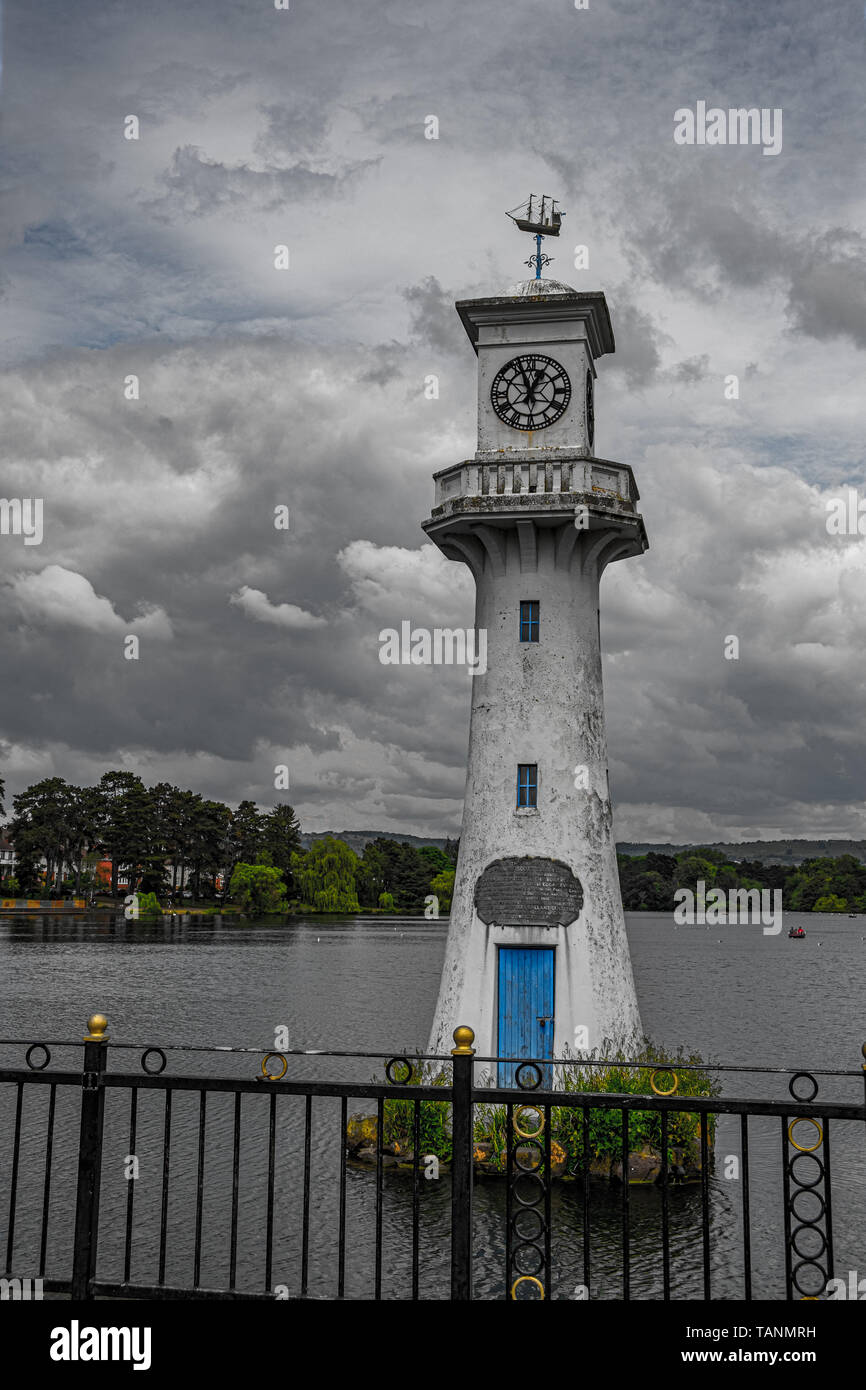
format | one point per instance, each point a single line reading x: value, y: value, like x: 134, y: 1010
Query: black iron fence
x: 250, y: 1190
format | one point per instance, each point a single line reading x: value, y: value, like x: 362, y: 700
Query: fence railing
x: 146, y: 1184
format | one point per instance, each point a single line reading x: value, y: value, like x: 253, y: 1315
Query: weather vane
x: 540, y: 217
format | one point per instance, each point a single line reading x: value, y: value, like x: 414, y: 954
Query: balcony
x: 598, y: 481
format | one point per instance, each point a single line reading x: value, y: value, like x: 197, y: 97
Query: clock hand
x: 530, y: 390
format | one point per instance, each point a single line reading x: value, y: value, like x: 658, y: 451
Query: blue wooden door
x: 526, y: 983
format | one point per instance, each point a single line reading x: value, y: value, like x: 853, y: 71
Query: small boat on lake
x: 796, y: 933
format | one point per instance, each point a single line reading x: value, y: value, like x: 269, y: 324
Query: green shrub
x: 435, y: 1116
x: 566, y: 1122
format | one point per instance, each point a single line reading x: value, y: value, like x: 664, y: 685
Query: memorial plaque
x: 528, y: 892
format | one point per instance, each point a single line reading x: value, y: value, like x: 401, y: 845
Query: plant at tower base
x: 604, y: 1154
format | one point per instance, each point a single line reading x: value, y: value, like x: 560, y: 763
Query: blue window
x: 529, y: 619
x: 527, y: 784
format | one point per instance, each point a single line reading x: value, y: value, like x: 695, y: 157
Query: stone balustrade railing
x: 515, y: 476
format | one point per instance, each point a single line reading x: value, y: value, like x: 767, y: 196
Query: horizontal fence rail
x: 149, y: 1184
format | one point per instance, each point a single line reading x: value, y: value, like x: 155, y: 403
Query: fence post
x: 89, y: 1158
x: 461, y: 1165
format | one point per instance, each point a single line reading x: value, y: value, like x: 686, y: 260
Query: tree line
x: 648, y: 882
x: 159, y: 839
x: 163, y: 839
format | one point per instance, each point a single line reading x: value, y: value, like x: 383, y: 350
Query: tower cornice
x: 542, y: 312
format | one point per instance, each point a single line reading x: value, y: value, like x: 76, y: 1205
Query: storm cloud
x: 152, y: 261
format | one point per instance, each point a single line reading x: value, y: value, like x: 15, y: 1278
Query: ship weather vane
x: 541, y: 217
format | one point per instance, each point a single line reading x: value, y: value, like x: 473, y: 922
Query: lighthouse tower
x: 537, y: 957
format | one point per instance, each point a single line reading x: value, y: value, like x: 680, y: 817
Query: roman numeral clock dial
x: 530, y: 392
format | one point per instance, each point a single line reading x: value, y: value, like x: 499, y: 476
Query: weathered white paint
x: 538, y: 703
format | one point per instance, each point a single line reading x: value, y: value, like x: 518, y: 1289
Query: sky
x: 261, y: 388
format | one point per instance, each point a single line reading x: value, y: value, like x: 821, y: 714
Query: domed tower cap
x: 538, y: 289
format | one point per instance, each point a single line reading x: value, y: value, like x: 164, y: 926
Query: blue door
x: 526, y: 980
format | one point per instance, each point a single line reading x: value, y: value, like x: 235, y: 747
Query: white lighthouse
x: 537, y: 957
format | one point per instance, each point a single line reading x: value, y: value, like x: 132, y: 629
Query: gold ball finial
x: 96, y: 1024
x: 863, y: 1050
x: 464, y: 1038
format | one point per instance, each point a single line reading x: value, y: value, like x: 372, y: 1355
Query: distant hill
x: 359, y: 839
x: 764, y: 851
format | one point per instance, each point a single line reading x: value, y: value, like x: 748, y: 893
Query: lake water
x: 729, y: 993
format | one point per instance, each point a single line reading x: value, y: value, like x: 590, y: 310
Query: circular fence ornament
x: 28, y: 1057
x: 527, y: 1279
x: 524, y: 1133
x: 803, y: 1076
x: 400, y: 1080
x: 161, y: 1063
x: 805, y: 1148
x: 660, y: 1072
x: 525, y: 1083
x: 274, y: 1076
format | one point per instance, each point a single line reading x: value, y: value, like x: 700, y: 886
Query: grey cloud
x: 198, y: 186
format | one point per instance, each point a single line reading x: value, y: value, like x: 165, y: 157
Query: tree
x: 830, y: 903
x: 436, y: 858
x: 245, y: 836
x: 325, y: 876
x: 397, y: 868
x: 45, y: 824
x: 257, y: 888
x: 117, y: 818
x: 281, y: 837
x: 443, y: 887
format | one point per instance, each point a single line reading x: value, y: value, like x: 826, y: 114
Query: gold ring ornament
x: 527, y: 1279
x: 806, y: 1120
x: 528, y: 1134
x: 657, y: 1089
x: 268, y: 1075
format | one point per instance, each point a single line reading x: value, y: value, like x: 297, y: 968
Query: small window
x: 529, y: 609
x: 527, y: 784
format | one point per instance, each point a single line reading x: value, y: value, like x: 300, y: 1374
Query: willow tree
x: 325, y: 877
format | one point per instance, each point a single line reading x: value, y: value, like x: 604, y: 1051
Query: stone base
x: 644, y: 1167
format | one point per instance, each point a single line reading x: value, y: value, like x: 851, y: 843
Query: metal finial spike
x: 97, y: 1024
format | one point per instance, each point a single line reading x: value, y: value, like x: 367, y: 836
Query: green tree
x: 398, y: 868
x: 45, y: 825
x: 325, y: 876
x: 436, y: 858
x: 257, y: 888
x: 443, y: 887
x: 281, y: 837
x: 830, y: 903
x: 117, y: 819
x: 245, y: 838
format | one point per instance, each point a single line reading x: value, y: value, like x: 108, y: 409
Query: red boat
x: 796, y: 933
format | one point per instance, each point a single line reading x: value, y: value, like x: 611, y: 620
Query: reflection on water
x: 354, y: 984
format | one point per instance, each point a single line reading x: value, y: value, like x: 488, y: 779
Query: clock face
x: 590, y: 412
x: 530, y: 392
